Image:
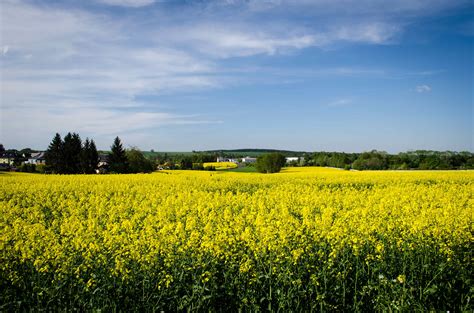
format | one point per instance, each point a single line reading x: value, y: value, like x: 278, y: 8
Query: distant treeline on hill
x: 371, y: 160
x: 379, y: 160
x: 250, y: 152
x: 137, y: 161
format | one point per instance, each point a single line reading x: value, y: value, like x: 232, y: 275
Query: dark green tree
x: 186, y: 163
x: 270, y: 162
x: 89, y: 157
x: 118, y: 162
x: 373, y: 160
x: 54, y: 156
x: 85, y: 157
x: 93, y: 156
x: 137, y: 163
x: 72, y: 148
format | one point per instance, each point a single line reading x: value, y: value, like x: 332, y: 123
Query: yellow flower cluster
x: 293, y: 235
x: 220, y: 165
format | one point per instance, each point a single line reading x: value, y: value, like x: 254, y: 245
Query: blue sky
x: 194, y: 75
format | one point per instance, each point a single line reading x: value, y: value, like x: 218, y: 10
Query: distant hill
x: 235, y: 153
x: 253, y: 152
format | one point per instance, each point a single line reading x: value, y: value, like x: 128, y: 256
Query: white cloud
x: 375, y: 33
x: 368, y: 7
x: 102, y: 124
x: 128, y: 3
x: 224, y: 39
x: 341, y: 102
x: 221, y: 41
x: 5, y: 50
x: 423, y: 88
x: 80, y: 74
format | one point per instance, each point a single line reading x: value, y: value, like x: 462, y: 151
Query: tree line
x: 370, y: 160
x: 72, y: 156
x: 67, y: 159
x: 380, y: 160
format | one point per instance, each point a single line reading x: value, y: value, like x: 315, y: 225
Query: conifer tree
x: 118, y: 159
x: 54, y: 155
x: 93, y: 156
x: 89, y: 157
x: 84, y: 157
x: 72, y: 148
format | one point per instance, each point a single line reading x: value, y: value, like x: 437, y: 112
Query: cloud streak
x: 128, y: 3
x: 341, y: 102
x: 423, y: 88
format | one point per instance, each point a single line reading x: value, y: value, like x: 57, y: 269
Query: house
x: 37, y: 159
x: 248, y: 159
x: 291, y: 159
x: 103, y: 164
x: 8, y: 158
x: 222, y: 159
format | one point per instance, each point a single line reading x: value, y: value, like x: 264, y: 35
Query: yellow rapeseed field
x: 220, y: 165
x: 300, y: 240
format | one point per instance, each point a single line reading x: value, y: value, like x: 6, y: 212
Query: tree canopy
x: 270, y: 162
x: 137, y: 163
x: 54, y: 155
x: 89, y: 157
x: 118, y: 162
x: 71, y: 156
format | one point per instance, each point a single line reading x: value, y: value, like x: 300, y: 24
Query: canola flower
x: 220, y: 165
x: 303, y: 239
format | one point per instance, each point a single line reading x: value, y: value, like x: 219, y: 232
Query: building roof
x: 37, y: 156
x: 9, y: 155
x: 103, y: 157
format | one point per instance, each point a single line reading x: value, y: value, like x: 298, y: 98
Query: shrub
x: 198, y: 166
x: 28, y: 168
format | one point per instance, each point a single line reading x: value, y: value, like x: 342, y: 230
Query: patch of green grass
x: 246, y: 169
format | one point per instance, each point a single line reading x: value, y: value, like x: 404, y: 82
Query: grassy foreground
x: 304, y: 239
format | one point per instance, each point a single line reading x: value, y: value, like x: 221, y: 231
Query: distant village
x: 28, y: 160
x: 14, y: 161
x: 248, y: 159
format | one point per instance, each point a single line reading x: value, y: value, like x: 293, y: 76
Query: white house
x: 37, y: 158
x: 8, y: 158
x: 103, y: 164
x: 249, y: 160
x: 222, y: 159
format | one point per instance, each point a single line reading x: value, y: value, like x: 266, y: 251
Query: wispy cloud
x: 375, y: 32
x: 128, y: 3
x: 5, y: 50
x: 221, y: 41
x: 423, y: 88
x: 85, y: 66
x: 341, y: 7
x: 340, y: 102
